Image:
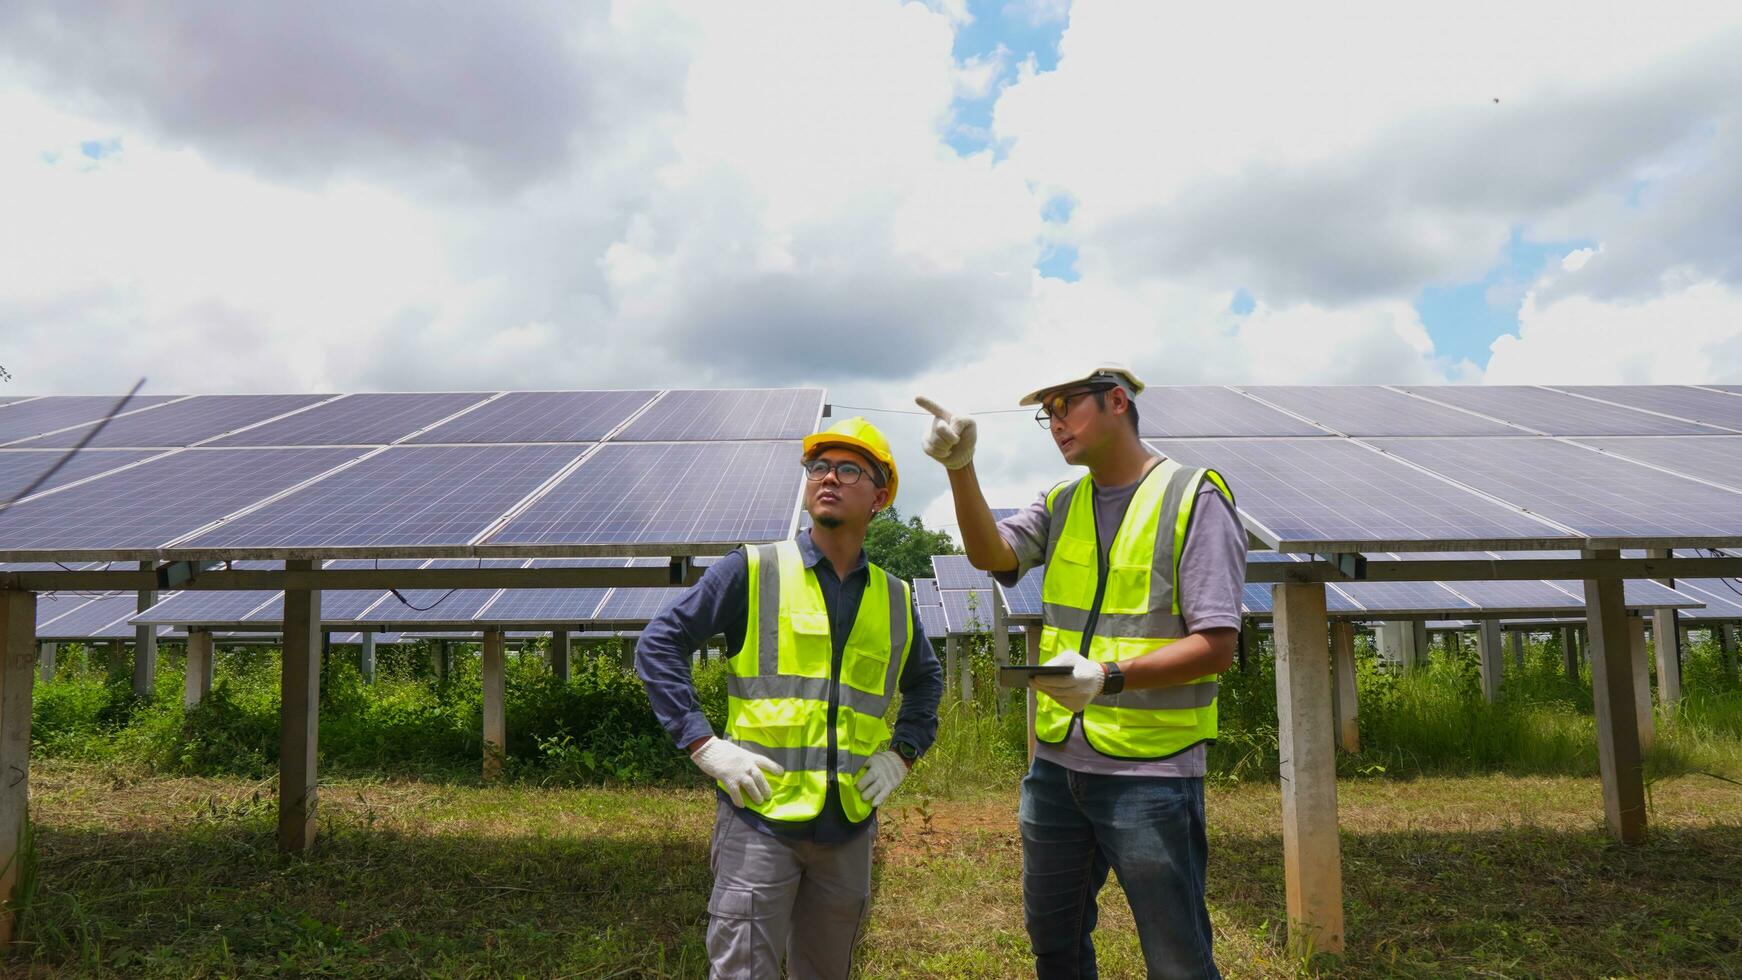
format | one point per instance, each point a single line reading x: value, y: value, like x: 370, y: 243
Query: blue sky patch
x: 1011, y: 33
x: 1465, y: 318
x: 1243, y: 302
x: 1058, y: 262
x: 98, y: 149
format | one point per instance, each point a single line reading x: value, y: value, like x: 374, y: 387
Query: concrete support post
x: 495, y: 699
x: 1311, y: 852
x: 1518, y: 649
x: 1727, y: 646
x: 1641, y: 668
x: 559, y: 655
x: 952, y: 659
x: 366, y: 658
x: 1345, y: 701
x: 47, y: 661
x: 1492, y: 660
x: 1032, y: 637
x: 299, y: 714
x: 1389, y: 640
x: 1570, y: 652
x: 198, y: 683
x: 626, y: 652
x: 1416, y: 652
x: 1666, y: 636
x: 1454, y: 644
x: 1612, y: 682
x: 444, y: 655
x: 1000, y: 646
x: 17, y: 677
x: 145, y: 644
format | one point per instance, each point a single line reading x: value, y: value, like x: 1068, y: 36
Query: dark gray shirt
x: 720, y: 604
x: 1212, y: 570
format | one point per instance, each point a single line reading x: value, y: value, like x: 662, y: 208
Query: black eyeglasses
x: 1059, y: 406
x: 846, y: 471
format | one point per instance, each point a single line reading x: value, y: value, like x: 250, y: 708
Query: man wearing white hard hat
x: 819, y: 643
x: 1144, y: 559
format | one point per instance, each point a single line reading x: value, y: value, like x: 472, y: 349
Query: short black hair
x: 1130, y: 405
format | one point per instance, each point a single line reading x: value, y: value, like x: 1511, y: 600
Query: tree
x: 905, y: 547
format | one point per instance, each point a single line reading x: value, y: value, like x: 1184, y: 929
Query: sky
x: 963, y: 198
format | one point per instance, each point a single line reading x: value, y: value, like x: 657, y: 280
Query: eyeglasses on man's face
x: 846, y: 471
x: 1059, y: 406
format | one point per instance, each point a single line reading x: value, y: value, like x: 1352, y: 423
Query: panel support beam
x: 1612, y: 682
x: 1492, y: 660
x: 145, y: 643
x: 198, y: 682
x: 495, y: 698
x: 299, y: 716
x: 1345, y: 704
x: 1312, y: 856
x: 17, y: 677
x: 559, y: 655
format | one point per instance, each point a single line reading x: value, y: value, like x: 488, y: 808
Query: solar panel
x: 1697, y: 404
x: 33, y: 418
x: 1400, y: 596
x: 381, y: 639
x: 1256, y: 599
x: 1601, y: 496
x: 1530, y: 594
x: 956, y: 572
x: 207, y: 608
x: 1722, y: 596
x: 637, y: 605
x: 931, y: 620
x: 968, y: 610
x: 702, y: 493
x: 1375, y: 411
x: 1332, y: 494
x: 541, y: 416
x: 1637, y: 594
x: 555, y: 606
x: 925, y: 592
x: 431, y: 605
x: 750, y: 413
x: 1555, y: 413
x: 53, y: 605
x: 1023, y: 599
x: 1004, y: 513
x: 356, y: 420
x: 104, y: 617
x: 1714, y: 458
x: 19, y: 468
x: 1212, y: 410
x: 185, y: 422
x: 159, y: 501
x: 403, y: 496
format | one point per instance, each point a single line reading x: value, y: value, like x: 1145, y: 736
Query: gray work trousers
x: 775, y: 898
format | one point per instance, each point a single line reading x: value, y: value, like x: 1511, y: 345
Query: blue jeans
x: 1150, y: 831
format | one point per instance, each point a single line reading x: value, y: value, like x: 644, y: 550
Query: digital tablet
x: 1017, y: 675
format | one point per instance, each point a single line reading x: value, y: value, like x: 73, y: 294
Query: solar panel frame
x: 1555, y: 413
x: 1024, y: 598
x: 403, y: 497
x: 182, y: 423
x: 541, y: 416
x: 134, y: 514
x: 931, y: 621
x: 26, y: 420
x: 689, y: 498
x: 925, y: 592
x: 365, y: 419
x: 1715, y: 459
x: 1314, y: 495
x: 103, y: 618
x: 1373, y: 410
x: 1212, y: 411
x: 1400, y: 597
x: 954, y: 572
x: 19, y: 468
x: 637, y: 606
x: 729, y: 414
x: 1604, y: 498
x: 1723, y: 601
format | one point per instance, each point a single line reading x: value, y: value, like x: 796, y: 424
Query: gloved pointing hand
x: 882, y: 773
x: 738, y: 769
x: 1073, y: 691
x: 950, y: 440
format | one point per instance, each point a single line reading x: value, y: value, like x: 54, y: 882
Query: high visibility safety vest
x: 1123, y: 604
x: 784, y: 703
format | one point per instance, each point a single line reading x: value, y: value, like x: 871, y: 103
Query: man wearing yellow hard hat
x: 819, y: 642
x: 1145, y: 559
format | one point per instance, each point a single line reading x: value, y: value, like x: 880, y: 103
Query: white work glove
x: 950, y: 440
x: 1073, y: 691
x: 881, y: 775
x: 738, y: 769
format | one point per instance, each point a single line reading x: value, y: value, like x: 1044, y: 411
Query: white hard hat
x: 1107, y: 372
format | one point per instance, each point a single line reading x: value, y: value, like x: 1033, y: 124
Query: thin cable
x: 909, y: 411
x: 407, y: 602
x: 52, y: 470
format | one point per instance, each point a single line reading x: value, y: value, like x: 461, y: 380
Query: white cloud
x: 1690, y: 333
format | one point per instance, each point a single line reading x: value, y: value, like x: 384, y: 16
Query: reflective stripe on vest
x: 1139, y: 612
x: 779, y: 686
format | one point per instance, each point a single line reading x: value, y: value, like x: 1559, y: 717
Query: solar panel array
x: 445, y: 473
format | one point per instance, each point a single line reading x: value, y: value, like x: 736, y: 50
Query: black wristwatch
x: 1115, y: 681
x: 910, y: 753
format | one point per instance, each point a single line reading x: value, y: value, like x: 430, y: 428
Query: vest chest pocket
x: 1072, y: 569
x: 865, y: 667
x: 811, y: 650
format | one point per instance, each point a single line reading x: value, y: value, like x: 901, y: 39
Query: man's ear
x: 881, y: 502
x: 1118, y: 400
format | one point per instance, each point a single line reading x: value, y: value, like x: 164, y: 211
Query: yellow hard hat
x: 856, y: 433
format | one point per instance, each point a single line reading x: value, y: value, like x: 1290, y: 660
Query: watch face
x: 906, y: 751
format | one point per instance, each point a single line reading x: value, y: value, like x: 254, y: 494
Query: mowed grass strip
x: 1444, y: 876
